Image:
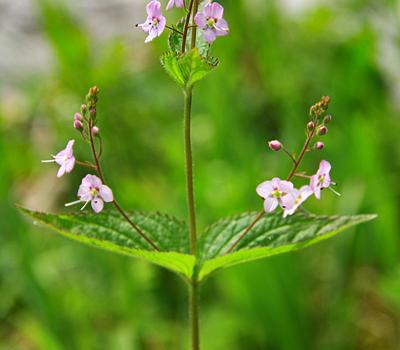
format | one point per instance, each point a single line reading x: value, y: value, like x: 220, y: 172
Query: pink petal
x: 317, y: 192
x: 200, y: 20
x: 324, y: 167
x: 153, y: 8
x: 69, y: 148
x: 270, y: 204
x: 179, y: 3
x: 170, y: 4
x: 221, y: 27
x: 153, y: 33
x: 285, y: 186
x: 84, y: 193
x: 69, y: 165
x: 287, y: 201
x: 217, y: 11
x: 106, y: 193
x: 276, y: 182
x: 61, y: 171
x: 314, y: 182
x: 209, y: 35
x: 97, y: 204
x: 161, y: 25
x: 94, y: 181
x: 208, y: 10
x: 146, y: 26
x: 264, y: 189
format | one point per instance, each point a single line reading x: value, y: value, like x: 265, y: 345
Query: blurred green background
x: 280, y: 57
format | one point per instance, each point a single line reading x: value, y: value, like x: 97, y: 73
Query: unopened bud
x: 275, y: 145
x: 323, y: 130
x: 94, y: 91
x: 78, y: 124
x: 78, y: 116
x: 310, y: 126
x: 95, y: 131
x: 92, y: 112
x: 83, y: 109
x: 319, y: 145
x: 328, y: 119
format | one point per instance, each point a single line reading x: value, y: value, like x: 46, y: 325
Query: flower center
x: 211, y: 22
x: 155, y: 22
x: 276, y: 193
x: 94, y: 192
x: 321, y: 178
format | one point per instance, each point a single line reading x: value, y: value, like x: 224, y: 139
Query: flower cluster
x: 210, y: 20
x: 277, y: 192
x: 92, y: 188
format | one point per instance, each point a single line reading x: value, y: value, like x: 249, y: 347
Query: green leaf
x: 272, y: 235
x: 111, y: 232
x: 188, y: 68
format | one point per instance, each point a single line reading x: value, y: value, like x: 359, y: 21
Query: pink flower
x: 65, y: 159
x: 155, y: 22
x: 178, y: 3
x: 298, y: 198
x: 276, y: 192
x: 211, y: 21
x: 92, y: 190
x: 321, y: 179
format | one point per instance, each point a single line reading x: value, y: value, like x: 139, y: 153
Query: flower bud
x: 78, y: 124
x: 275, y: 145
x: 310, y: 126
x: 83, y: 109
x: 95, y: 131
x: 323, y: 130
x: 319, y: 145
x: 92, y: 112
x: 93, y: 91
x: 78, y: 116
x: 328, y: 119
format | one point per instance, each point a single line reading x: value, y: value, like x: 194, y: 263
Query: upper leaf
x: 272, y: 235
x: 111, y: 232
x: 188, y: 68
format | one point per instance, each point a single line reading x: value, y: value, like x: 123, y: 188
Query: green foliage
x: 111, y: 232
x: 272, y: 235
x: 188, y: 68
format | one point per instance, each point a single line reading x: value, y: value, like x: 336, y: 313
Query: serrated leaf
x: 111, y: 232
x: 188, y: 68
x: 272, y: 235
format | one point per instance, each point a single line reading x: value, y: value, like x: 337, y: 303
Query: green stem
x: 189, y: 169
x: 194, y: 313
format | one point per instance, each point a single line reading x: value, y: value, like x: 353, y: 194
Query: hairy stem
x: 186, y: 26
x: 194, y: 313
x: 189, y: 169
x: 116, y: 205
x: 194, y: 27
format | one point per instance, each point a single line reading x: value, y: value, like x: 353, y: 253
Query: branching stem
x: 116, y: 205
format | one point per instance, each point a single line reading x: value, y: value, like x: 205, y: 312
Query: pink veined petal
x: 208, y: 10
x: 217, y: 11
x: 146, y: 26
x: 327, y: 181
x: 60, y: 157
x: 288, y: 201
x: 285, y: 186
x: 200, y: 20
x: 153, y: 33
x: 69, y: 164
x: 106, y: 193
x: 97, y: 204
x: 270, y: 204
x: 69, y: 149
x: 61, y: 171
x: 314, y: 182
x: 222, y: 27
x: 209, y: 35
x: 317, y: 192
x: 305, y: 192
x: 153, y: 8
x: 161, y: 25
x: 264, y: 189
x: 86, y: 181
x: 94, y: 181
x: 84, y: 193
x: 324, y: 167
x: 170, y: 4
x: 276, y: 182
